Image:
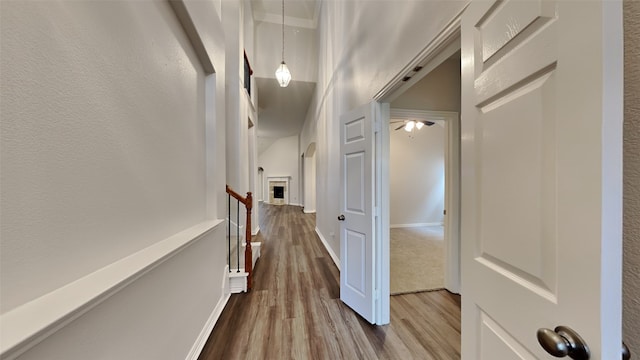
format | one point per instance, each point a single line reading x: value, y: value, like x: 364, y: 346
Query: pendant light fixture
x: 282, y: 72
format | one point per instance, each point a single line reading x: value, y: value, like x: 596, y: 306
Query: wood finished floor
x: 294, y: 310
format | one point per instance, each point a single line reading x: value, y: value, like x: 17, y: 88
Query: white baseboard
x: 213, y: 318
x: 396, y: 226
x: 225, y: 282
x: 309, y: 211
x: 333, y: 255
x: 256, y: 231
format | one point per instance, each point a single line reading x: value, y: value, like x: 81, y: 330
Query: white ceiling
x: 301, y: 13
x: 282, y: 111
x: 281, y: 108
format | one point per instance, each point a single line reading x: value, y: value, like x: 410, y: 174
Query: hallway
x: 295, y: 312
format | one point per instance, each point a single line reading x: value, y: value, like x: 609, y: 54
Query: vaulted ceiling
x: 301, y: 13
x: 282, y: 111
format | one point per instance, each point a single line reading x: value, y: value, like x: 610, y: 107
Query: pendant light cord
x: 283, y: 31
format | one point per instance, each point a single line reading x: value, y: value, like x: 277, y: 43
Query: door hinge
x: 376, y: 211
x: 376, y: 126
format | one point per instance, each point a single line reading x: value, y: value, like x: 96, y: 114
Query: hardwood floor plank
x: 294, y: 310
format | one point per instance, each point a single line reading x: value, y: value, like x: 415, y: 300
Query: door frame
x: 443, y: 46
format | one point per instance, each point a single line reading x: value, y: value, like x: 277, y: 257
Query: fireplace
x: 278, y: 192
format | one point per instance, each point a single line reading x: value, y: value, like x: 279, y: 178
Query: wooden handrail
x: 248, y: 253
x: 237, y: 196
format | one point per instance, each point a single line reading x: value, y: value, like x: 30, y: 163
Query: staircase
x: 237, y: 274
x: 242, y: 252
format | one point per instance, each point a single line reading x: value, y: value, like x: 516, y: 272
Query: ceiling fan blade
x: 400, y: 127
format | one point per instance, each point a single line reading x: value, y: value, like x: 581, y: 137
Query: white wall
x: 159, y: 316
x: 302, y: 62
x: 631, y: 266
x: 240, y: 141
x: 310, y: 179
x: 416, y: 176
x: 248, y: 32
x: 282, y: 159
x: 103, y: 155
x: 353, y: 67
x: 236, y: 113
x: 439, y: 90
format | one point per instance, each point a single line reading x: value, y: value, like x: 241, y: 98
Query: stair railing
x: 248, y: 255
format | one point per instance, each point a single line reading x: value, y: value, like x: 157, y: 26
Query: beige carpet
x: 417, y: 259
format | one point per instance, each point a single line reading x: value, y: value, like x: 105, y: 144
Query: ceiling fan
x: 413, y: 124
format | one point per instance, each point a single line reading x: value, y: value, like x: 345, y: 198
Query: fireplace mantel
x: 278, y: 178
x: 278, y: 181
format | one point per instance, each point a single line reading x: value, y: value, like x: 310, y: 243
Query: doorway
x: 424, y: 181
x: 417, y: 202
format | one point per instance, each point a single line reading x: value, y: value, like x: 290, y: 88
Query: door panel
x: 504, y: 22
x: 497, y: 343
x: 355, y: 179
x: 518, y: 171
x: 355, y: 269
x: 516, y: 140
x: 357, y: 242
x: 534, y: 154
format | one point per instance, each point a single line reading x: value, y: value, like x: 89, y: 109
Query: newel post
x: 248, y: 254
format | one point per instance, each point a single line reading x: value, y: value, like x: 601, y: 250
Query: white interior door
x: 357, y: 235
x: 541, y: 170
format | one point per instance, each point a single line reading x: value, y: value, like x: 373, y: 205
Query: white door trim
x: 381, y: 188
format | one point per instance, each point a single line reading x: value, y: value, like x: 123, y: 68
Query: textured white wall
x: 102, y: 155
x: 282, y: 159
x: 631, y: 279
x: 236, y: 127
x: 416, y: 175
x: 102, y: 138
x: 351, y: 33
